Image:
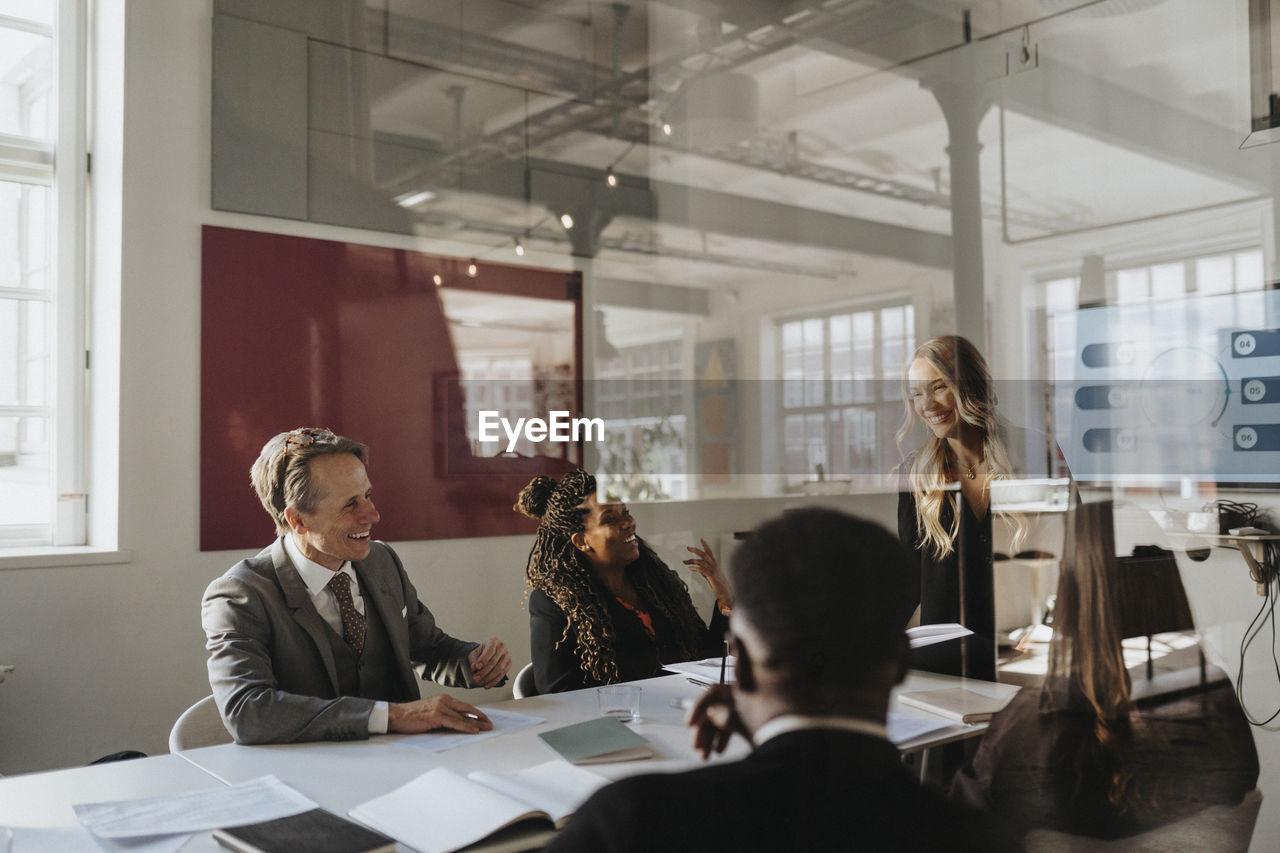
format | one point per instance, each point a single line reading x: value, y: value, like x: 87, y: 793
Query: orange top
x: 645, y: 619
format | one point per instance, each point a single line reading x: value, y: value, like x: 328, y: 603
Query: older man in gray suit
x: 317, y: 637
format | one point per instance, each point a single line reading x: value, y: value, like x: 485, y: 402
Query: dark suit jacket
x: 637, y: 654
x: 270, y: 663
x: 813, y: 790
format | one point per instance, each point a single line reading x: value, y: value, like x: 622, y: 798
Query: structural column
x: 963, y: 105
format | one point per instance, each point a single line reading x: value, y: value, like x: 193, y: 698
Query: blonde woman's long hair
x: 967, y: 376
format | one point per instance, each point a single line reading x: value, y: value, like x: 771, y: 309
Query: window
x: 641, y: 399
x: 841, y: 397
x: 41, y: 290
x: 1238, y: 271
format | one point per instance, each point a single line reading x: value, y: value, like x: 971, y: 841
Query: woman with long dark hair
x: 603, y: 607
x: 1078, y: 755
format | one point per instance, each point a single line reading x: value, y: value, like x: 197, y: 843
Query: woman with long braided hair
x: 603, y: 607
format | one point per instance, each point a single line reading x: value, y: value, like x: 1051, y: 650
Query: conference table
x: 340, y: 776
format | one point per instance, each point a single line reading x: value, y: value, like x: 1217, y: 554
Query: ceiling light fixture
x: 566, y: 220
x: 437, y: 279
x: 666, y: 127
x: 472, y: 269
x: 519, y: 248
x: 611, y: 176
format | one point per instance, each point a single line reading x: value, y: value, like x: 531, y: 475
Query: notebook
x: 316, y: 831
x: 597, y: 741
x: 927, y: 635
x: 443, y: 810
x: 955, y: 703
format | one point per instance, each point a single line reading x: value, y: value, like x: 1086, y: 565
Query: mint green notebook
x: 597, y: 741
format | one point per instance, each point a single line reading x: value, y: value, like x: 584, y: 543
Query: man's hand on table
x: 436, y: 712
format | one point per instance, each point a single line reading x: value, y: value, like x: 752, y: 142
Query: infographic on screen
x: 1171, y: 390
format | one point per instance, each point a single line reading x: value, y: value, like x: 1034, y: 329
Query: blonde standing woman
x: 944, y: 517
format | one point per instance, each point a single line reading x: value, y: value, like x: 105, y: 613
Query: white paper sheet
x: 706, y: 671
x: 504, y: 722
x: 557, y: 787
x: 261, y: 799
x: 927, y: 635
x: 903, y: 728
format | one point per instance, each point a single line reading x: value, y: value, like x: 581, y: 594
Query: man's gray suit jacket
x: 270, y: 661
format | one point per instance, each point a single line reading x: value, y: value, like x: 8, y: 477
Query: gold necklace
x: 971, y: 475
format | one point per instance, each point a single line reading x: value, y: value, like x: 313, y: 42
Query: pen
x: 697, y: 681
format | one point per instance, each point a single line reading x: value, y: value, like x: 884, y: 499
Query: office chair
x: 200, y: 725
x: 524, y: 685
x: 1222, y: 829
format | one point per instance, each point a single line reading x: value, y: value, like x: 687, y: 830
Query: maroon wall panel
x: 300, y: 332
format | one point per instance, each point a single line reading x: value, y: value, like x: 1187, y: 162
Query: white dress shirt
x: 317, y: 577
x: 798, y: 722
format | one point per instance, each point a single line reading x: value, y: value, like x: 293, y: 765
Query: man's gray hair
x: 281, y: 475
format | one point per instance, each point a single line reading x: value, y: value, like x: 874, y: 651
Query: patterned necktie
x: 353, y: 623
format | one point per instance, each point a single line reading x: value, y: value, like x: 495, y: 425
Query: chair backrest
x: 1221, y: 829
x: 525, y: 685
x: 200, y: 725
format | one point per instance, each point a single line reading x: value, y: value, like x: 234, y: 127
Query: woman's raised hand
x: 704, y: 563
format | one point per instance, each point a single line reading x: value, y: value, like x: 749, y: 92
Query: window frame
x: 61, y: 164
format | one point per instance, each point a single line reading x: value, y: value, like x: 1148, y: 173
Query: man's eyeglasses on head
x: 300, y: 438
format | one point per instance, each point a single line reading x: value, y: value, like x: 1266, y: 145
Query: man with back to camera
x: 817, y: 630
x: 313, y: 638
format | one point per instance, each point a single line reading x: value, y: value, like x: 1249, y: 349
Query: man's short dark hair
x: 825, y: 591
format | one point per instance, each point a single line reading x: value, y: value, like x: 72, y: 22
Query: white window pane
x: 864, y: 328
x: 25, y: 237
x: 1249, y: 274
x: 40, y: 11
x: 813, y: 337
x: 1169, y: 281
x: 891, y: 322
x: 1060, y: 295
x: 34, y: 390
x: 9, y: 360
x: 792, y: 336
x: 1214, y: 275
x: 1132, y: 285
x: 840, y: 329
x: 26, y: 487
x: 26, y: 70
x: 1249, y: 307
x: 37, y: 329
